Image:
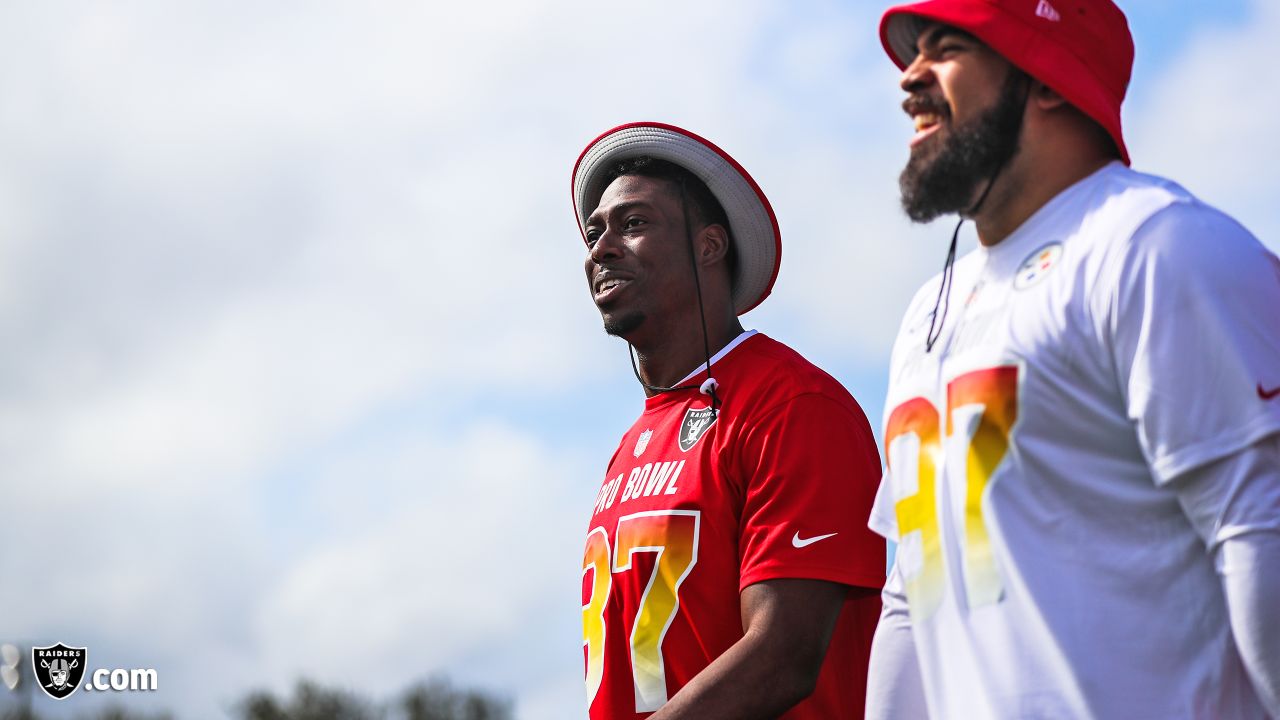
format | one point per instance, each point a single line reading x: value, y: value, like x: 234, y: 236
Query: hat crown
x: 1095, y: 30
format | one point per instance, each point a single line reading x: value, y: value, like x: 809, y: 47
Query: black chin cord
x: 948, y: 270
x: 708, y: 386
x: 944, y: 291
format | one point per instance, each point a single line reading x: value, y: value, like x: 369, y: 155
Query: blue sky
x: 300, y: 374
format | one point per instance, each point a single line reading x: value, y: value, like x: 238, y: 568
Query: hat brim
x: 752, y: 223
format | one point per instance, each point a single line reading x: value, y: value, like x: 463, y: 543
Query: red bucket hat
x: 1080, y: 48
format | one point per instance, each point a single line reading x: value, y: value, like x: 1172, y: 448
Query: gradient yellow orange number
x: 986, y: 402
x: 913, y: 430
x: 596, y: 559
x: 673, y: 536
x: 993, y: 393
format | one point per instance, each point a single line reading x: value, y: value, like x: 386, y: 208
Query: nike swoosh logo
x: 797, y: 542
x: 1268, y: 394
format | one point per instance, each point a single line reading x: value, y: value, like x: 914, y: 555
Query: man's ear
x: 1045, y: 97
x: 713, y: 242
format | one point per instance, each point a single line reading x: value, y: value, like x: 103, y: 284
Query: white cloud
x: 1207, y: 122
x: 457, y: 546
x: 297, y: 348
x: 241, y: 237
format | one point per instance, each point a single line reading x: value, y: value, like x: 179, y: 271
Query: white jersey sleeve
x: 1251, y: 582
x: 1234, y: 505
x: 1193, y: 323
x: 895, y: 690
x: 882, y: 519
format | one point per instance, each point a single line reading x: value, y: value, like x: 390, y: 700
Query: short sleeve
x: 884, y: 519
x: 1194, y: 323
x: 811, y: 468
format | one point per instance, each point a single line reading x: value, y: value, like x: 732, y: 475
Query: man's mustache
x: 917, y: 104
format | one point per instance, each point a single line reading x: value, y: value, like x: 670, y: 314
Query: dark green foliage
x: 434, y: 699
x: 309, y: 702
x: 117, y: 713
x: 114, y: 713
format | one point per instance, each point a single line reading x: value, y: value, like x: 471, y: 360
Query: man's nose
x: 606, y: 247
x: 917, y: 75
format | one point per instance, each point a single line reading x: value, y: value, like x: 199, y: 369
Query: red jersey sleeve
x: 811, y: 467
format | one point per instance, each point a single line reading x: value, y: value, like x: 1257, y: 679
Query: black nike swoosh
x: 1268, y: 394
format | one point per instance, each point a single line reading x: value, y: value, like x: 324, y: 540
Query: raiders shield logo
x: 58, y: 669
x: 695, y: 425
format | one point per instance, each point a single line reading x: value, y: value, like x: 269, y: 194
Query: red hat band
x: 1080, y: 48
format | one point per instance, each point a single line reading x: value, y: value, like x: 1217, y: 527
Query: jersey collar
x: 719, y: 356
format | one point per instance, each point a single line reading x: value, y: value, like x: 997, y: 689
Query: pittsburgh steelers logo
x: 1037, y: 265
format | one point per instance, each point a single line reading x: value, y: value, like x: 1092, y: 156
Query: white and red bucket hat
x: 753, y: 226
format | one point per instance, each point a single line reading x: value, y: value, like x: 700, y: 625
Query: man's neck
x: 1025, y: 187
x: 667, y: 359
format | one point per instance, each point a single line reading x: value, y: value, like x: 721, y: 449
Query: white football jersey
x: 1125, y: 334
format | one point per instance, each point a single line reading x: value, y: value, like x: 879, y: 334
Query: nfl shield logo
x: 642, y: 442
x: 58, y: 669
x: 695, y: 425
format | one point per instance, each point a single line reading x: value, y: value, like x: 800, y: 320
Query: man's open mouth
x: 926, y: 120
x: 606, y: 287
x: 926, y: 123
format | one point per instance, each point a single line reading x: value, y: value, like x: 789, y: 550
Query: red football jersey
x: 693, y: 509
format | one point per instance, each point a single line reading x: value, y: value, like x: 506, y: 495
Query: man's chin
x: 933, y: 185
x: 624, y: 325
x: 928, y: 150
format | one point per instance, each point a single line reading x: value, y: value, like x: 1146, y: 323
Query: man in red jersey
x: 728, y: 570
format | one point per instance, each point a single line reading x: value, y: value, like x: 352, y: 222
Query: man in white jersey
x: 1082, y: 429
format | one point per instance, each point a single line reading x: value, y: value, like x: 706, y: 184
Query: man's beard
x: 625, y: 325
x: 947, y: 181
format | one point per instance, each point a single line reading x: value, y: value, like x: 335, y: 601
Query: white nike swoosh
x: 796, y: 541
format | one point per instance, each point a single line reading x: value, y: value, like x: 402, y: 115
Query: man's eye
x: 592, y: 236
x: 633, y: 222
